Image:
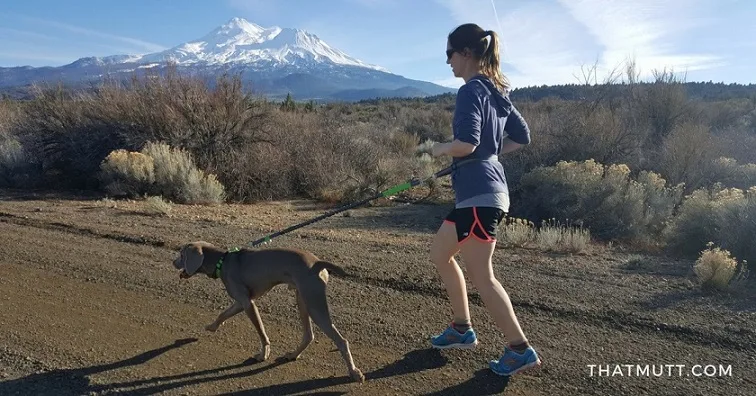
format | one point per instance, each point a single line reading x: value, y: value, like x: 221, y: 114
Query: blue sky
x: 544, y: 41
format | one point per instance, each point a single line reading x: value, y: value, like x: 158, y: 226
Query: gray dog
x: 249, y: 274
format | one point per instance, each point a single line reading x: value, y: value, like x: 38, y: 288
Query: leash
x: 384, y: 194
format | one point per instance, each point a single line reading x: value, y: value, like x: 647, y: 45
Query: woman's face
x: 456, y: 59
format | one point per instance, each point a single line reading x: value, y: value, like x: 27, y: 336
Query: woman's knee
x: 483, y: 282
x: 440, y: 256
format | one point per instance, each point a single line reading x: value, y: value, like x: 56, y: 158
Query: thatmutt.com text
x: 659, y: 370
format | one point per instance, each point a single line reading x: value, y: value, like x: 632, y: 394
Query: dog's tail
x: 331, y: 267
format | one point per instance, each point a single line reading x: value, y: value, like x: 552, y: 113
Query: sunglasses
x: 449, y: 53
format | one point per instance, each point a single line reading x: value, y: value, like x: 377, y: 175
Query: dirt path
x: 89, y: 304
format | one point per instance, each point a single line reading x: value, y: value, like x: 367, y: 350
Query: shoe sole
x: 532, y: 366
x: 456, y: 346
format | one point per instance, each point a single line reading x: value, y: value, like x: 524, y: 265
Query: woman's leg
x: 477, y: 252
x: 477, y: 256
x: 442, y: 253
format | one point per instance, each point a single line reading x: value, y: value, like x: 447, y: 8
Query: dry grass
x: 552, y: 236
x: 156, y: 205
x: 556, y: 237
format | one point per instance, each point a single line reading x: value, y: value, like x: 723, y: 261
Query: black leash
x: 384, y: 194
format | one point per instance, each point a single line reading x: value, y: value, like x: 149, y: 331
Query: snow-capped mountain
x: 275, y: 60
x: 245, y: 42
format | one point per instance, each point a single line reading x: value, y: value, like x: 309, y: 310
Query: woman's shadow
x: 76, y: 381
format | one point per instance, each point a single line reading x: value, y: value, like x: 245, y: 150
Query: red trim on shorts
x: 476, y: 221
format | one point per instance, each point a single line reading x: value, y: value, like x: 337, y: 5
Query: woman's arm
x: 455, y: 149
x: 508, y: 145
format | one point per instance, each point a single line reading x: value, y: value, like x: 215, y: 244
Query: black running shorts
x: 479, y: 222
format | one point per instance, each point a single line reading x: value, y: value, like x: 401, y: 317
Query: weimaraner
x: 249, y: 274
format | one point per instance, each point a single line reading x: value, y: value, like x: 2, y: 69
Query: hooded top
x: 483, y: 117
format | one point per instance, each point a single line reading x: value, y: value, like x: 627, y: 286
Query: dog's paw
x: 291, y: 356
x: 356, y: 375
x: 263, y: 355
x: 212, y: 327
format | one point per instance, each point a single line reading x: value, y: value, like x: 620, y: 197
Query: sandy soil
x: 90, y: 304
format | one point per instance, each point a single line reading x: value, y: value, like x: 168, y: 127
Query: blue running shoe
x: 451, y: 338
x: 512, y: 362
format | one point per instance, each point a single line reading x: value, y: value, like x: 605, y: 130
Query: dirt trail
x: 89, y: 304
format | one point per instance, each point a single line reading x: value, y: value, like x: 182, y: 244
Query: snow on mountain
x: 240, y: 41
x: 274, y: 61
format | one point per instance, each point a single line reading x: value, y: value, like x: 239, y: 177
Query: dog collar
x: 219, y: 264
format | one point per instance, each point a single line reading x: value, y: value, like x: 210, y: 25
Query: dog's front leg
x: 234, y: 309
x: 254, y: 316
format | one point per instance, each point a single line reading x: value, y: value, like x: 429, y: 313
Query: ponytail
x: 490, y: 64
x: 473, y: 37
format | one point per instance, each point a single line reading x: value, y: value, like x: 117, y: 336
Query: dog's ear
x: 193, y: 258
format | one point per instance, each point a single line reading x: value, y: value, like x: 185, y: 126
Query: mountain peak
x: 239, y: 41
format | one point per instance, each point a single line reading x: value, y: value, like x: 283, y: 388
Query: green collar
x: 219, y: 264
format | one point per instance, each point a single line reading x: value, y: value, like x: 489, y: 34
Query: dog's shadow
x: 76, y: 381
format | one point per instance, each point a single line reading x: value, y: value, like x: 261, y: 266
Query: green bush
x: 724, y: 216
x: 159, y: 170
x: 178, y: 179
x: 127, y: 174
x: 603, y: 198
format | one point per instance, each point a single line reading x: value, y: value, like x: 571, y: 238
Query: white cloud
x: 644, y: 30
x: 548, y: 42
x: 141, y: 44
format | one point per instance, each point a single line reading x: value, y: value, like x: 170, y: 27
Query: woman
x: 485, y: 125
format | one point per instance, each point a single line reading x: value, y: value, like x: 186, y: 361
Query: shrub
x: 603, y: 198
x: 729, y: 173
x: 177, y: 178
x: 686, y: 155
x: 12, y: 159
x: 723, y: 216
x: 127, y: 174
x: 715, y: 268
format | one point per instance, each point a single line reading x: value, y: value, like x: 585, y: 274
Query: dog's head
x: 190, y: 259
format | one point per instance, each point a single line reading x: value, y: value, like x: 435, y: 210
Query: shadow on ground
x: 77, y: 382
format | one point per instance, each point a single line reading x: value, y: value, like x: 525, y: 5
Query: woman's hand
x: 439, y: 149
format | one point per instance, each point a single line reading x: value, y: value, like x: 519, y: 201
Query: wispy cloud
x: 141, y: 45
x: 644, y: 30
x: 23, y: 33
x: 539, y: 44
x: 549, y: 42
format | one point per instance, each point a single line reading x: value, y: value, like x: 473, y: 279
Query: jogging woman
x: 485, y: 125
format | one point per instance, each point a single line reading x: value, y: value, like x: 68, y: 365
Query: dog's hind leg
x: 234, y: 309
x: 317, y: 306
x: 307, y: 334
